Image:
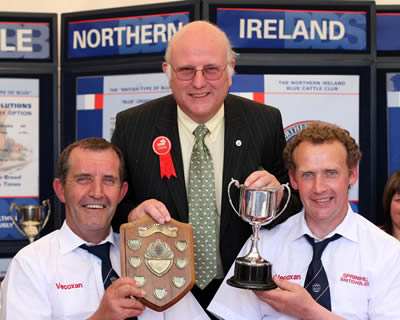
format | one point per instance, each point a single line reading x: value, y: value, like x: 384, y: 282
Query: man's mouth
x: 95, y: 206
x: 199, y: 95
x: 324, y: 200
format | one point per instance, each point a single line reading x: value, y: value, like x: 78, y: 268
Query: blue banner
x: 294, y: 29
x: 24, y: 40
x: 387, y: 26
x: 123, y: 35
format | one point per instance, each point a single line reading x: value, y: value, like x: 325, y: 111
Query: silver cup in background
x: 30, y: 219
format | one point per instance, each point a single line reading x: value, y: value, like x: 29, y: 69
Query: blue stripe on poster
x: 247, y: 83
x: 394, y: 138
x: 90, y: 123
x: 91, y: 85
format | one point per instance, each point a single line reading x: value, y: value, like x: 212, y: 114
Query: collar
x: 347, y: 228
x: 69, y: 241
x: 212, y: 125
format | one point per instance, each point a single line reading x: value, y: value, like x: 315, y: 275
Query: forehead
x: 328, y: 155
x: 195, y: 45
x: 104, y: 162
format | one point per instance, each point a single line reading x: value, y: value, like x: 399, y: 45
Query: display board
x: 111, y: 60
x: 28, y: 122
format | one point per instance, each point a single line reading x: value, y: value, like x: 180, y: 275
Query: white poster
x: 302, y: 98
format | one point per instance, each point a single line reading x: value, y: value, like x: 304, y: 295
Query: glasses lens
x: 185, y: 73
x: 212, y: 72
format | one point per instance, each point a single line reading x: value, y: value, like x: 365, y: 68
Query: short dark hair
x: 319, y: 132
x: 391, y: 188
x: 94, y: 144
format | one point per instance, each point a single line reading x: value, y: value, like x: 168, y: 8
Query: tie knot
x: 319, y: 247
x: 200, y: 132
x: 101, y: 251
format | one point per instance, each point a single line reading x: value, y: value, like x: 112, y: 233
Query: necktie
x: 102, y: 251
x: 203, y: 209
x: 316, y: 281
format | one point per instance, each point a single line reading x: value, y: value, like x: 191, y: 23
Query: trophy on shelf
x: 257, y: 207
x: 31, y: 219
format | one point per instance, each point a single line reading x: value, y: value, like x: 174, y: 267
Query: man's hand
x: 152, y: 207
x: 117, y: 303
x: 263, y: 178
x: 292, y: 299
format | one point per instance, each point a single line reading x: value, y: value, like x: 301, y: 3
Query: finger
x: 259, y: 179
x: 132, y: 303
x: 158, y: 212
x: 163, y: 211
x: 284, y: 284
x: 128, y: 290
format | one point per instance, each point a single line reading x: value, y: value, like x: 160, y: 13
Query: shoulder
x: 374, y: 237
x: 39, y: 249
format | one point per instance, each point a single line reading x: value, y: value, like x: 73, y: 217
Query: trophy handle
x: 12, y: 217
x: 46, y: 203
x: 233, y: 181
x: 286, y: 185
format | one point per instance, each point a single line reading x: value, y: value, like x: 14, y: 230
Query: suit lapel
x: 236, y: 144
x: 167, y: 125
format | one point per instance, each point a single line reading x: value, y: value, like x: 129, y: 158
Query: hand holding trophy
x: 257, y: 206
x: 30, y: 219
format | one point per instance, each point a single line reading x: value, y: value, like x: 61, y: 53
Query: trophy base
x: 252, y: 276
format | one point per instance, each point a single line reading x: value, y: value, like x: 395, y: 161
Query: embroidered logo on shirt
x: 69, y: 286
x: 289, y: 277
x: 353, y: 279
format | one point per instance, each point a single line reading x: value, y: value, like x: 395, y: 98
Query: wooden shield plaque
x: 160, y: 258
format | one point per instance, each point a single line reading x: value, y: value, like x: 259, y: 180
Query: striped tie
x: 316, y: 281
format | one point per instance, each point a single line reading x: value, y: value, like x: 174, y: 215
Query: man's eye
x: 109, y: 181
x: 185, y: 69
x: 331, y: 173
x: 82, y: 179
x: 211, y: 68
x: 307, y: 174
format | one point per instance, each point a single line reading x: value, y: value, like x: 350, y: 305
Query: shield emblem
x: 160, y: 258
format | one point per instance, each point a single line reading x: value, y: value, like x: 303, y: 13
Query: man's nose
x: 199, y: 81
x: 97, y: 190
x: 319, y: 184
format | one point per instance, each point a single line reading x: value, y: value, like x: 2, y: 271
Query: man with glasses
x: 243, y: 140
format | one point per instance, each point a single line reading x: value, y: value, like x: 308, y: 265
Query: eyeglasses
x: 210, y: 72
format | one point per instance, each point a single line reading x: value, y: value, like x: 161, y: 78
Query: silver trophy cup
x: 257, y: 206
x: 30, y: 219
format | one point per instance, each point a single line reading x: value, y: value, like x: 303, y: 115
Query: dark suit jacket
x: 257, y: 126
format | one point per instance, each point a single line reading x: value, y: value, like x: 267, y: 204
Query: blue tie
x: 102, y: 251
x: 316, y: 281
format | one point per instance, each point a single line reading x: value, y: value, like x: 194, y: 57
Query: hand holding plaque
x: 30, y: 219
x: 160, y: 257
x: 257, y: 206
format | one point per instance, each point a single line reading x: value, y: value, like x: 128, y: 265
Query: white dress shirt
x: 53, y: 278
x: 363, y: 270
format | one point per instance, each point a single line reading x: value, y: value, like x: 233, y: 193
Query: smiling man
x: 237, y: 138
x: 329, y: 262
x: 61, y: 276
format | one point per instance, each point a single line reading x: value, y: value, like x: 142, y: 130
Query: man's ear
x: 353, y: 175
x: 123, y: 191
x: 293, y: 180
x: 59, y: 189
